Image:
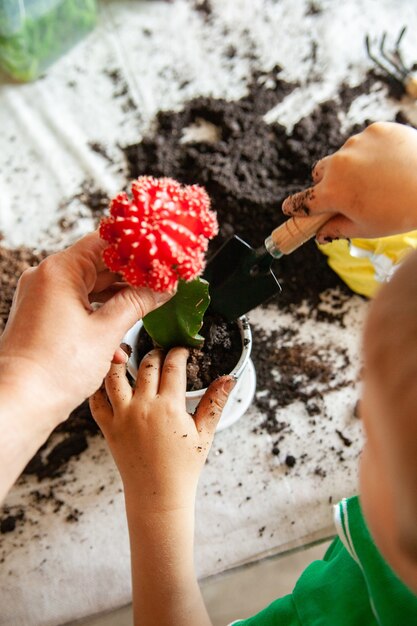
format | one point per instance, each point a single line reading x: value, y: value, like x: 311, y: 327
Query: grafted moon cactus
x: 160, y: 234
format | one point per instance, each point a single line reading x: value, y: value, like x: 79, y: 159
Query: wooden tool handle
x: 411, y: 86
x: 296, y: 231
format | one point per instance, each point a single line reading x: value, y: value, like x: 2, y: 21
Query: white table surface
x: 250, y: 503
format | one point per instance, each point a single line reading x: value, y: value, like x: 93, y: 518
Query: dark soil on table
x: 218, y: 356
x: 50, y: 461
x: 249, y: 171
x: 12, y: 263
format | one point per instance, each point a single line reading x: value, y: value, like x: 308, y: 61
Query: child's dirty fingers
x: 174, y: 374
x: 149, y: 374
x: 211, y: 405
x: 100, y: 407
x: 117, y: 386
x: 304, y: 202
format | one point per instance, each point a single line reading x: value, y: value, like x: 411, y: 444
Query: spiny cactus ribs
x: 160, y: 234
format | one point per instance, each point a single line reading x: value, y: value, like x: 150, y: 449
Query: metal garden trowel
x: 241, y: 277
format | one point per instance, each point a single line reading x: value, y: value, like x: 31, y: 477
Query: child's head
x: 389, y: 411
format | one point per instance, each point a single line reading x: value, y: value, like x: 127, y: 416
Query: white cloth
x: 250, y: 504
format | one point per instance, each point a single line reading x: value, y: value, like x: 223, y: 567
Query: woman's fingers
x: 117, y: 386
x: 106, y: 278
x: 121, y: 355
x: 149, y: 374
x: 107, y: 293
x: 174, y: 374
x: 127, y: 306
x: 90, y: 247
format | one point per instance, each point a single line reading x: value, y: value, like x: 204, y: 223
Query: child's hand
x: 370, y: 183
x: 158, y: 447
x: 160, y: 450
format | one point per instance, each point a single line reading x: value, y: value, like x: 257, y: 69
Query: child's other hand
x: 158, y: 447
x: 370, y: 183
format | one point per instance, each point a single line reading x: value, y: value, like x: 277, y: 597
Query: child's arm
x: 370, y: 183
x: 160, y: 450
x: 55, y: 350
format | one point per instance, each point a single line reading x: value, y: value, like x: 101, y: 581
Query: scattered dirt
x: 9, y: 519
x: 204, y: 7
x: 92, y: 201
x: 13, y: 261
x: 100, y: 149
x: 292, y: 371
x: 290, y: 460
x: 345, y: 440
x: 69, y: 440
x: 313, y: 8
x: 121, y: 90
x: 94, y: 198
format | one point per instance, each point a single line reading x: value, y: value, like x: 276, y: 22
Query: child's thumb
x: 211, y: 405
x: 128, y: 306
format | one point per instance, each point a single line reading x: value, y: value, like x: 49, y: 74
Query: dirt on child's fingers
x: 117, y: 386
x: 338, y: 227
x: 174, y: 374
x: 211, y: 405
x: 100, y: 406
x: 305, y: 202
x: 149, y: 374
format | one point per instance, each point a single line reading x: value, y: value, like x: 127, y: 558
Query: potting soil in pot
x: 218, y: 356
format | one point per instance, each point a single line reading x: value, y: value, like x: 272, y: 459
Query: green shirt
x: 351, y: 586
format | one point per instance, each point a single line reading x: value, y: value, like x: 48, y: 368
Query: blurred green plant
x: 35, y: 33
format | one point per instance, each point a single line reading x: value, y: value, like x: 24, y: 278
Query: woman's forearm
x: 24, y: 427
x: 165, y: 588
x: 29, y: 411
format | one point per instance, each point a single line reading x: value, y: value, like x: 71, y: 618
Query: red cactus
x: 160, y: 234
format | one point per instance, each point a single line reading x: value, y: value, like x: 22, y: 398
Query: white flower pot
x: 242, y: 394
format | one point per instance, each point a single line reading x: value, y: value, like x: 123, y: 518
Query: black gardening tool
x: 241, y: 277
x: 392, y: 64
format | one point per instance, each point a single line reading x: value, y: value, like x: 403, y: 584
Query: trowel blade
x: 240, y: 278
